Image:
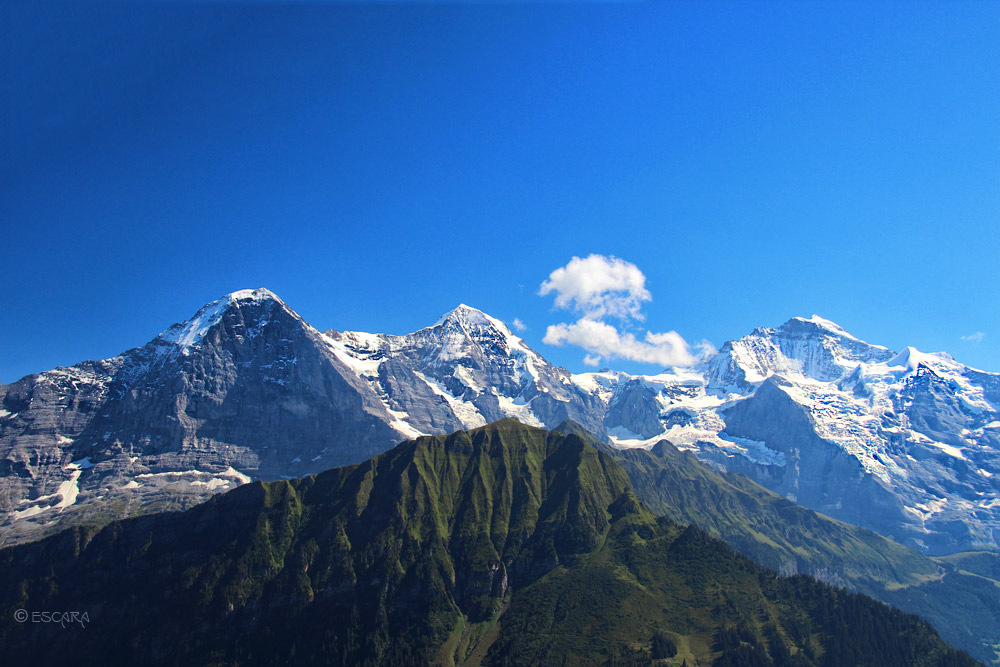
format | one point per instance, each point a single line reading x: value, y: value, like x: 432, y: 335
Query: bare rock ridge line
x: 907, y: 444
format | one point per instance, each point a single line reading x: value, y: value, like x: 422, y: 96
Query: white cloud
x: 518, y: 324
x: 974, y: 338
x: 705, y: 350
x: 598, y: 286
x: 604, y: 340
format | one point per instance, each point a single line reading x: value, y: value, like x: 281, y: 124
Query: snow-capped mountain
x: 243, y: 389
x: 814, y: 347
x: 464, y: 371
x: 907, y: 444
x: 246, y: 389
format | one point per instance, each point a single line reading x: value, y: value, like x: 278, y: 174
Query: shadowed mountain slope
x: 504, y: 545
x: 959, y: 594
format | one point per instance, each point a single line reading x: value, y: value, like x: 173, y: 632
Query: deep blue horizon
x: 375, y: 165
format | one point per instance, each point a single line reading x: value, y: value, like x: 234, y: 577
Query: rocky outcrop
x: 634, y: 407
x: 816, y: 473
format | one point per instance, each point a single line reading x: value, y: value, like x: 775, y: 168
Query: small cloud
x: 518, y: 324
x: 604, y: 340
x: 597, y: 286
x: 974, y: 338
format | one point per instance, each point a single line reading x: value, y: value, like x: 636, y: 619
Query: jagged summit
x: 463, y: 313
x: 190, y: 332
x: 467, y: 332
x: 465, y: 370
x: 472, y: 319
x: 817, y: 322
x: 259, y: 294
x: 815, y: 348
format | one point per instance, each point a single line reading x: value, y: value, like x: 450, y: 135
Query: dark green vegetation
x: 959, y: 595
x: 505, y: 545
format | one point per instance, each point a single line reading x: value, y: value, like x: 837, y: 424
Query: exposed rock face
x: 816, y: 473
x: 634, y: 409
x: 466, y: 370
x: 243, y: 389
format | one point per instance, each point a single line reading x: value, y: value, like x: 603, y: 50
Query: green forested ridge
x: 505, y: 545
x: 958, y: 594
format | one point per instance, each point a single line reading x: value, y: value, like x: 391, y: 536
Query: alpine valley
x: 803, y: 447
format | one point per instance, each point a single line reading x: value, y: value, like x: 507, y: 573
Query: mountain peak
x: 473, y: 320
x: 190, y: 332
x: 468, y: 315
x: 814, y: 347
x: 817, y: 322
x: 258, y: 295
x: 910, y: 358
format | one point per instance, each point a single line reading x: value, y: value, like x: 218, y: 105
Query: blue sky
x: 377, y: 164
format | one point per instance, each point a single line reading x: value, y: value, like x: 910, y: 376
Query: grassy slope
x: 786, y: 537
x: 502, y: 545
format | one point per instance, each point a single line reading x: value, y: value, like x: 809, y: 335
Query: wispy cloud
x: 974, y: 337
x: 599, y: 287
x: 518, y: 324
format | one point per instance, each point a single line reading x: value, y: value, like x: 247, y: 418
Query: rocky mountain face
x: 243, y: 389
x: 504, y: 545
x: 466, y: 370
x: 906, y: 444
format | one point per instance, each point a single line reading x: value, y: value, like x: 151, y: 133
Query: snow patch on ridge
x: 754, y: 450
x: 193, y: 479
x: 515, y: 408
x: 466, y: 412
x: 357, y: 352
x: 400, y: 424
x: 190, y: 333
x: 68, y: 492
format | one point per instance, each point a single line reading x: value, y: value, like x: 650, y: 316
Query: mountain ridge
x: 506, y: 544
x: 247, y: 389
x: 958, y: 595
